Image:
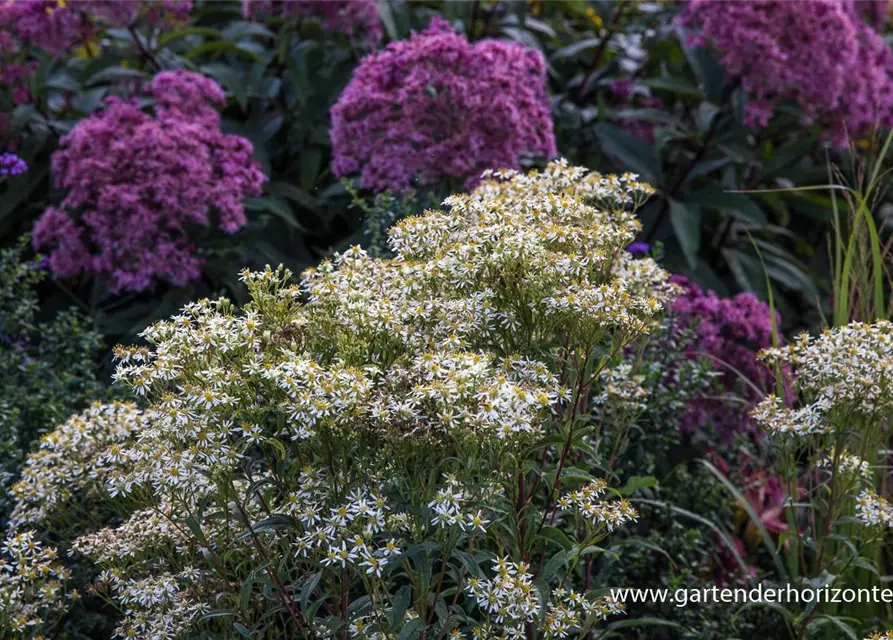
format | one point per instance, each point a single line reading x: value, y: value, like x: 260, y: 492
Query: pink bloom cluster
x: 437, y: 106
x: 56, y: 27
x: 624, y: 96
x: 137, y: 182
x: 817, y: 53
x: 358, y: 19
x: 730, y: 332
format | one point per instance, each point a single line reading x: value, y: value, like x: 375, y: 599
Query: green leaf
x: 653, y: 115
x: 469, y: 563
x: 713, y: 196
x: 679, y: 86
x: 398, y: 610
x: 412, y: 630
x: 275, y: 205
x: 230, y: 80
x: 386, y: 15
x: 557, y: 536
x: 308, y: 588
x: 295, y: 194
x: 787, y: 155
x: 842, y: 626
x: 245, y: 594
x: 271, y: 523
x: 637, y: 482
x: 646, y: 544
x: 311, y: 161
x: 278, y: 446
x: 220, y: 47
x: 644, y: 622
x: 724, y: 537
x: 636, y: 154
x: 171, y: 36
x: 754, y: 517
x: 553, y: 565
x: 578, y: 47
x: 686, y: 221
x: 114, y: 74
x: 709, y: 72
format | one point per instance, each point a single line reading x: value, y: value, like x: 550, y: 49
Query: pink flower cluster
x: 358, y: 19
x: 56, y: 27
x: 624, y: 96
x: 816, y: 53
x: 136, y: 183
x: 437, y: 106
x: 730, y: 332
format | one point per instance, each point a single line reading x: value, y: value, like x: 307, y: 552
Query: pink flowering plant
x: 438, y: 108
x: 136, y: 183
x: 99, y: 75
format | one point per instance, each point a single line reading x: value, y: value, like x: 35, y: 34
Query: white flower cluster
x: 522, y: 249
x: 621, y: 389
x: 614, y: 195
x: 442, y: 358
x: 589, y: 503
x: 154, y: 528
x: 845, y: 371
x: 847, y: 463
x: 886, y: 635
x: 78, y: 456
x: 368, y: 627
x: 160, y: 606
x: 339, y: 534
x: 509, y: 597
x: 874, y: 510
x: 573, y: 609
x: 449, y: 508
x: 468, y: 395
x: 777, y: 419
x: 32, y: 586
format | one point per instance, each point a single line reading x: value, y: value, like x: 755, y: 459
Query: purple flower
x: 12, y: 165
x: 137, y: 182
x: 358, y: 19
x: 638, y: 248
x: 57, y: 27
x: 730, y: 332
x: 818, y: 54
x: 437, y: 106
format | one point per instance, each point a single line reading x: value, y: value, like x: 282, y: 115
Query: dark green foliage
x: 47, y: 369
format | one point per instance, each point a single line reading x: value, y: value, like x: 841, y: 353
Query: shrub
x: 393, y: 445
x: 47, y: 370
